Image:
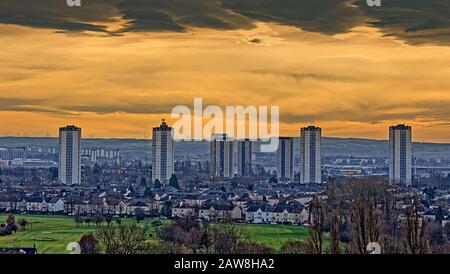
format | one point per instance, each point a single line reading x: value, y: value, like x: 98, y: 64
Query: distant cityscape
x: 224, y: 179
x: 211, y: 179
x: 306, y: 162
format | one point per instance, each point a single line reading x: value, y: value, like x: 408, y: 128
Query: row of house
x: 261, y: 204
x: 293, y: 214
x: 208, y: 211
x: 32, y: 204
x: 256, y: 211
x: 73, y: 206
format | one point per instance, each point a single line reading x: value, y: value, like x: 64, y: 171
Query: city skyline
x: 229, y: 158
x: 103, y: 69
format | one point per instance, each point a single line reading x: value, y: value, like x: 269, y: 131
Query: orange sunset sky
x: 115, y: 69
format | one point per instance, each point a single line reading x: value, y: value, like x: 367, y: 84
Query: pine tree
x: 439, y: 215
x: 148, y: 192
x: 143, y: 182
x: 157, y: 184
x: 273, y: 180
x: 173, y: 181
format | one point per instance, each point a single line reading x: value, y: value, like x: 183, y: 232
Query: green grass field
x: 51, y: 234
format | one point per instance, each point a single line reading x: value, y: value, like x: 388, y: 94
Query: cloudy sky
x: 117, y: 67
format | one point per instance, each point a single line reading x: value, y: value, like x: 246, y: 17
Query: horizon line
x: 193, y: 140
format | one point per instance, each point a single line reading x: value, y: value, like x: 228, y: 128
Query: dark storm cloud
x: 177, y: 15
x: 56, y: 14
x: 142, y: 15
x: 415, y: 21
x: 324, y: 16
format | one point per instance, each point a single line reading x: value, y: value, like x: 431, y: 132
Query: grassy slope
x: 275, y: 235
x: 51, y: 234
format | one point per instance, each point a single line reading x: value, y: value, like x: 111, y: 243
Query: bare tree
x: 23, y: 223
x: 78, y: 220
x: 88, y: 244
x: 416, y: 231
x: 139, y: 214
x: 366, y: 224
x: 293, y: 247
x: 11, y: 223
x: 169, y: 239
x: 98, y: 218
x: 197, y: 238
x: 123, y: 239
x: 226, y: 236
x: 314, y: 243
x: 108, y: 219
x: 436, y: 237
x: 334, y: 234
x: 184, y: 234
